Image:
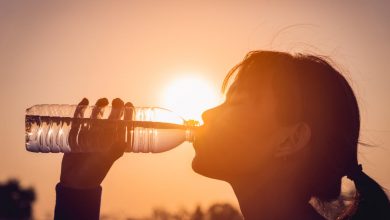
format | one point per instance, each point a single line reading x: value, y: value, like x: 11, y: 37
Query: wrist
x: 79, y: 184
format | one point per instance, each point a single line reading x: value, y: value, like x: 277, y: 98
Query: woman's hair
x: 309, y: 89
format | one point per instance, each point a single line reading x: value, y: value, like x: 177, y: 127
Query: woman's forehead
x: 249, y: 87
x: 259, y: 95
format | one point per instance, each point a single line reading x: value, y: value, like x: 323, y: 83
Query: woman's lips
x: 198, y: 136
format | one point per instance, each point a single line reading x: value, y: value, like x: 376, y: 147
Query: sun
x: 190, y: 96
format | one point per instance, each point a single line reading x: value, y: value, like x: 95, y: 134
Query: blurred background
x: 163, y: 53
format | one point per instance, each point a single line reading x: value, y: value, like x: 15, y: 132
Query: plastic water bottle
x: 52, y: 128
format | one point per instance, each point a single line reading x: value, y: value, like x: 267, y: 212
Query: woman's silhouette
x: 287, y: 132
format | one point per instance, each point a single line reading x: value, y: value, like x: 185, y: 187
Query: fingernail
x: 102, y: 102
x: 117, y: 103
x: 84, y: 101
x: 129, y: 104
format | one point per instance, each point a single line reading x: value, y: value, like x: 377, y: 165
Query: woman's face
x: 238, y: 136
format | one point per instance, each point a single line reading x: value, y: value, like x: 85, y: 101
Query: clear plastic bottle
x: 52, y: 128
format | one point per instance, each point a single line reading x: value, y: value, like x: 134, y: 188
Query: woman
x: 287, y: 132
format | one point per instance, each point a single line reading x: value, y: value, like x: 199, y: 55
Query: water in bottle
x: 52, y: 128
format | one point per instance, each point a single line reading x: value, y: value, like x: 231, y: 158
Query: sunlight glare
x: 190, y: 96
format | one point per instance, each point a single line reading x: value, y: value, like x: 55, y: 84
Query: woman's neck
x: 273, y: 198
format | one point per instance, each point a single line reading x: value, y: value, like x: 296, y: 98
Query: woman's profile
x: 287, y: 132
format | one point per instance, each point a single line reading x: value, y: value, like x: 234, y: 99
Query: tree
x: 15, y: 202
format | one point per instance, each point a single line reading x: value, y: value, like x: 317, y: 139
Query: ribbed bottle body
x: 52, y: 128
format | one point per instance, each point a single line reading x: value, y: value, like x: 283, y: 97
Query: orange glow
x: 190, y: 96
x: 157, y: 53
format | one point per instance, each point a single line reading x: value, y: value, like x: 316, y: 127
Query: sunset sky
x: 149, y: 51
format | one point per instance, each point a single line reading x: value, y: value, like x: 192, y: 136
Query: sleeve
x: 77, y: 203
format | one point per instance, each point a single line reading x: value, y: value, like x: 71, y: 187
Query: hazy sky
x: 61, y: 52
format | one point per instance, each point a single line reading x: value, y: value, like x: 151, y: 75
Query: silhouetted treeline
x: 15, y: 202
x: 219, y: 211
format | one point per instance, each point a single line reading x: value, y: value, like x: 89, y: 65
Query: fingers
x: 99, y: 135
x: 75, y: 127
x: 129, y: 109
x: 116, y: 132
x: 117, y: 109
x: 128, y: 116
x: 80, y: 109
x: 90, y: 133
x: 98, y: 110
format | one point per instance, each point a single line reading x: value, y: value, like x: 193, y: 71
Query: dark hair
x: 308, y: 88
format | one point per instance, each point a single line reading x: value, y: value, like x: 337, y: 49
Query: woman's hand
x: 87, y: 170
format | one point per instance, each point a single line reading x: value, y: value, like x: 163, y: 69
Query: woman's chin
x: 204, y: 169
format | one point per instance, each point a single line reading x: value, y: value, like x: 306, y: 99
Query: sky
x: 59, y: 52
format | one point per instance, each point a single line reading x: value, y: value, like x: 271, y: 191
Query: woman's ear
x: 292, y: 139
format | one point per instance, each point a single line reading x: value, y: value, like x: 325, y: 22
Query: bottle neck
x: 190, y: 131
